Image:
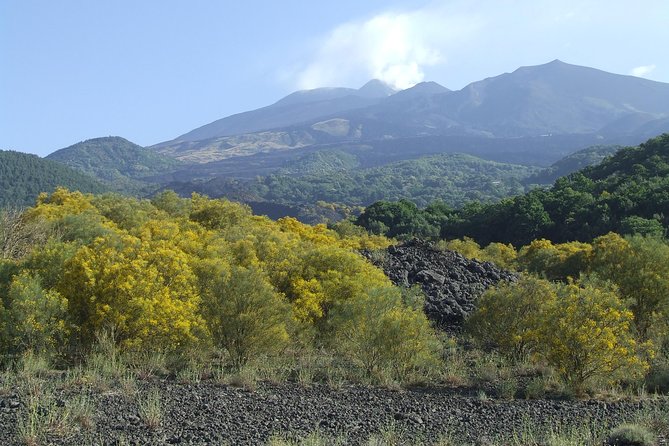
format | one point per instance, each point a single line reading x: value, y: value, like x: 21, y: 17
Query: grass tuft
x: 151, y: 409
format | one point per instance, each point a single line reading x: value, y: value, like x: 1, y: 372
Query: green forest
x: 23, y: 177
x: 627, y: 193
x: 571, y: 163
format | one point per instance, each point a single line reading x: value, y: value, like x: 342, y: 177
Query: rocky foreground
x: 451, y: 282
x: 212, y: 413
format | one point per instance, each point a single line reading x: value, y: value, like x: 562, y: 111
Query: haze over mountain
x: 552, y: 100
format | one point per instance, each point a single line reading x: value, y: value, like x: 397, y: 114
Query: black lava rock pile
x: 451, y: 282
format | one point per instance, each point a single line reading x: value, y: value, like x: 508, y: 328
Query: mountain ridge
x: 556, y: 98
x: 293, y: 109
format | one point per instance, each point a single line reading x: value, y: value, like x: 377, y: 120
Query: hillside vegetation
x: 23, y: 177
x: 116, y: 161
x: 627, y: 193
x: 334, y: 178
x: 571, y: 163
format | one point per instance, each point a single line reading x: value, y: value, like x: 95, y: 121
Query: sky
x: 151, y: 70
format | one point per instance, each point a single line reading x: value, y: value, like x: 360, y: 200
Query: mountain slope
x: 24, y: 176
x: 295, y: 108
x: 551, y: 100
x: 555, y: 98
x: 333, y: 177
x: 116, y: 161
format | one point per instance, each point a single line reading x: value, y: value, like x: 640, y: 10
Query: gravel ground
x: 211, y: 413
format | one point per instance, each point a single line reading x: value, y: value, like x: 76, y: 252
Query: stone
x: 451, y: 282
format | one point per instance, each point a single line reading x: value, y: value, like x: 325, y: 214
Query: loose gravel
x: 212, y: 413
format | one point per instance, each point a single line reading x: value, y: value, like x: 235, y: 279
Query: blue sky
x: 150, y: 70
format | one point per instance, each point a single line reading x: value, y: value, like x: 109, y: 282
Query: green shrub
x: 657, y: 379
x: 151, y: 409
x: 506, y: 388
x: 536, y: 388
x: 582, y: 331
x: 35, y: 317
x: 508, y: 316
x: 387, y: 338
x: 246, y: 316
x: 630, y: 435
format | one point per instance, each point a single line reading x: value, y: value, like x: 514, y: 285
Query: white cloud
x: 643, y: 70
x: 395, y: 47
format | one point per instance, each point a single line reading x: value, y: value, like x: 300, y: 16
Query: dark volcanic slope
x: 451, y: 282
x: 558, y: 98
x: 210, y: 413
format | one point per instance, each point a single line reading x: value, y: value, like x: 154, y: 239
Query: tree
x: 525, y: 219
x: 555, y: 261
x: 504, y: 256
x: 401, y: 218
x: 217, y: 214
x: 60, y: 203
x: 145, y: 292
x: 635, y: 225
x: 583, y: 332
x: 465, y: 246
x: 125, y: 212
x: 20, y: 234
x: 168, y: 201
x: 323, y: 276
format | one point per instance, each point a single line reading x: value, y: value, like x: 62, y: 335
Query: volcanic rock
x: 451, y: 282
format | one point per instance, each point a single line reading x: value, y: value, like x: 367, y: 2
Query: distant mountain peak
x: 376, y: 89
x: 554, y: 98
x: 429, y: 87
x: 420, y: 90
x: 555, y: 64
